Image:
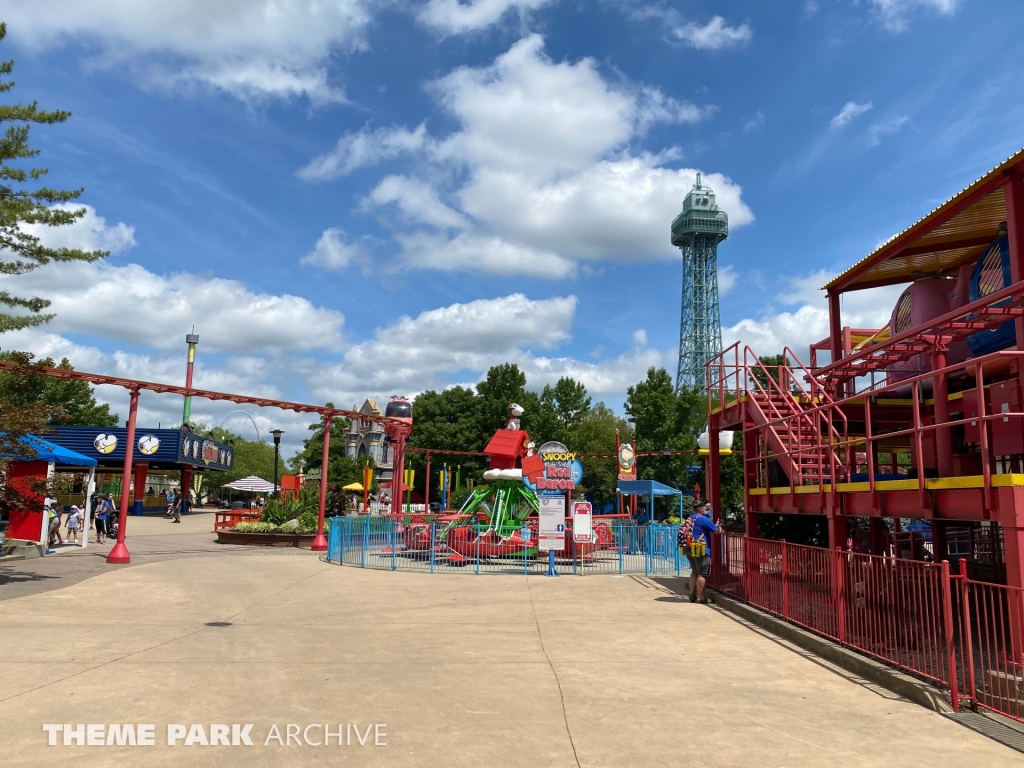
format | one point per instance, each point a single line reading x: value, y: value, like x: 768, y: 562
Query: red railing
x: 925, y: 618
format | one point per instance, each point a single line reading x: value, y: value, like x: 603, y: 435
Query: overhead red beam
x: 170, y: 389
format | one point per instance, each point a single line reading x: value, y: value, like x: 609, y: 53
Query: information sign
x: 582, y: 522
x: 551, y: 532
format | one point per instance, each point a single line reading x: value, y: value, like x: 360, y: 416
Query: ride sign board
x: 560, y: 473
x: 551, y: 531
x: 582, y: 522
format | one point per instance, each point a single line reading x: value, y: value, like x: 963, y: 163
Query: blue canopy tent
x: 650, y: 489
x: 32, y: 526
x: 60, y: 457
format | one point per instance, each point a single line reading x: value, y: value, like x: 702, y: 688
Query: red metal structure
x: 398, y: 428
x: 906, y: 421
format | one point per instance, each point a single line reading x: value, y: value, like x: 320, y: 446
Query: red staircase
x: 794, y: 422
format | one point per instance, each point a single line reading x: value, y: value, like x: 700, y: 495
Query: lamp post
x: 277, y: 448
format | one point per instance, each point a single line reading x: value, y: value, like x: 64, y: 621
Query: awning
x: 647, y: 488
x: 47, y: 451
x: 956, y: 232
x: 353, y: 487
x: 251, y: 483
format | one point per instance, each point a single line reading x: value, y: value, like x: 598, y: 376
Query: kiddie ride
x: 500, y: 520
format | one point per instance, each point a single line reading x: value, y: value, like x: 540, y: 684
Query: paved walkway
x: 150, y: 539
x: 463, y: 670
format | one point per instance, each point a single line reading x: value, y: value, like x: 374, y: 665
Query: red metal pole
x: 947, y: 626
x: 940, y: 392
x: 966, y: 628
x: 426, y: 491
x: 320, y: 543
x: 119, y: 554
x: 835, y: 330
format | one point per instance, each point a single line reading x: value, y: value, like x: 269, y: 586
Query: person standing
x: 699, y: 555
x: 53, y: 511
x: 169, y: 515
x: 177, y: 505
x: 106, y: 506
x: 74, y: 523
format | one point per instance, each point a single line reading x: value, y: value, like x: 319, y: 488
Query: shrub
x: 255, y: 528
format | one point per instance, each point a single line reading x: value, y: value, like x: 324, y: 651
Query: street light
x: 277, y: 447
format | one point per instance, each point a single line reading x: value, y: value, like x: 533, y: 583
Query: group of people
x: 74, y: 521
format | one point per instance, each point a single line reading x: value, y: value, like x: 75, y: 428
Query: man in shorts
x: 700, y: 567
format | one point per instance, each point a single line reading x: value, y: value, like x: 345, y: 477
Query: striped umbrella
x: 251, y: 483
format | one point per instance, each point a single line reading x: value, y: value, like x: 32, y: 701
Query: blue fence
x: 384, y: 543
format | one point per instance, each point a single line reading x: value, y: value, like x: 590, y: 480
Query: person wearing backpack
x: 698, y: 551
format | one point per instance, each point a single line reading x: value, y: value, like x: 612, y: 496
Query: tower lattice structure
x: 697, y: 231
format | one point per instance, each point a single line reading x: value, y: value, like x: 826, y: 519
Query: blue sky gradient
x: 836, y: 124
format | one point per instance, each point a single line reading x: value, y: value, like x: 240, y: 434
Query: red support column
x: 751, y: 525
x: 399, y: 432
x: 1015, y: 234
x: 119, y: 554
x: 940, y: 392
x: 835, y: 326
x: 878, y: 535
x: 141, y: 471
x: 426, y: 487
x: 320, y: 543
x: 714, y: 474
x: 186, y: 487
x: 940, y: 546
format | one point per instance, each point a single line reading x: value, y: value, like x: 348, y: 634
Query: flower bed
x: 269, y: 539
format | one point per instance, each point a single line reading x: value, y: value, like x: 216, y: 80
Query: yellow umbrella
x: 352, y: 487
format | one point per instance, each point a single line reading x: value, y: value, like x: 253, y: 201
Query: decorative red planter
x: 303, y: 540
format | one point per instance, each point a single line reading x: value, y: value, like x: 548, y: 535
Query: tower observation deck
x: 697, y: 231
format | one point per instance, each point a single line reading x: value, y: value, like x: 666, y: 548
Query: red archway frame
x: 398, y: 430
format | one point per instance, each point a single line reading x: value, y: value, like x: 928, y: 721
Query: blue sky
x: 362, y: 198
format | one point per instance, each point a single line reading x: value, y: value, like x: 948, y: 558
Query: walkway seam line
x: 561, y: 696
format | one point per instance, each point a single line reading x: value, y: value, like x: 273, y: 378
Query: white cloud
x: 894, y: 13
x: 89, y: 233
x: 727, y: 278
x: 454, y: 17
x: 361, y: 149
x: 249, y: 48
x: 850, y: 110
x: 417, y: 200
x: 409, y: 354
x: 714, y: 35
x: 332, y: 252
x: 493, y: 255
x: 885, y: 127
x: 640, y: 337
x: 754, y: 124
x: 543, y: 171
x: 135, y: 306
x: 800, y: 327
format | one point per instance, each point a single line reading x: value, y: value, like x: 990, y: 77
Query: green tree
x: 72, y: 402
x: 503, y: 385
x: 447, y: 420
x: 563, y: 408
x: 312, y: 453
x: 23, y: 205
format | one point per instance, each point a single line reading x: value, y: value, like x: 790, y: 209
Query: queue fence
x: 425, y: 545
x: 929, y: 619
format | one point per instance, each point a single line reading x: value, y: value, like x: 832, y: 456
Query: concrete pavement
x: 461, y: 670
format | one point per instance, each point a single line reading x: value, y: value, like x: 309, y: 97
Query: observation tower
x: 697, y: 231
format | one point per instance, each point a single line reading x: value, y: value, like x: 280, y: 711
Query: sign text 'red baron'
x: 562, y: 471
